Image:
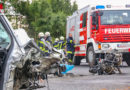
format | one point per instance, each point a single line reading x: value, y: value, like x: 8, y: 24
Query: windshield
x: 4, y: 37
x: 113, y: 17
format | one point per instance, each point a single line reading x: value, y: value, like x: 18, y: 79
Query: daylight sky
x: 83, y: 3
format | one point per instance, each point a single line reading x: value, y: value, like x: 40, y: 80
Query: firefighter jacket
x: 41, y: 44
x: 56, y: 45
x: 70, y: 45
x: 49, y: 43
x: 49, y: 39
x: 61, y: 44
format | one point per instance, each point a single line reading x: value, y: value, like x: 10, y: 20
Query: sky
x: 83, y: 3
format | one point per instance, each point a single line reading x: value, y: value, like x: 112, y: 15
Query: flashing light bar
x: 100, y: 7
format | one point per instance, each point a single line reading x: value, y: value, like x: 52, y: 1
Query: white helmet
x: 61, y: 38
x: 47, y: 33
x: 41, y: 34
x: 57, y: 39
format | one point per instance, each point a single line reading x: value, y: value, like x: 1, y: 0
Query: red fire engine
x: 98, y: 29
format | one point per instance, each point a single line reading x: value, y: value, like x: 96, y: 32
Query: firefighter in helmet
x: 56, y: 43
x: 70, y: 48
x: 48, y: 37
x: 61, y: 43
x: 48, y: 40
x: 40, y: 42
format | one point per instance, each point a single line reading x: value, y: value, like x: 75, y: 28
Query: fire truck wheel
x: 91, y: 57
x: 126, y: 57
x: 128, y: 62
x: 76, y: 60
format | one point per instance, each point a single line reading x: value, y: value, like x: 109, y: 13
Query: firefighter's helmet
x: 41, y: 34
x: 57, y: 39
x: 61, y: 38
x: 47, y: 33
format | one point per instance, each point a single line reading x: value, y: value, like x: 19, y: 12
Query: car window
x: 84, y: 19
x: 4, y: 37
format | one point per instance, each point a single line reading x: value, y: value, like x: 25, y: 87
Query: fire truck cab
x: 98, y: 29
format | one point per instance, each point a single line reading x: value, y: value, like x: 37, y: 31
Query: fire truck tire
x: 76, y: 60
x: 128, y: 62
x: 126, y: 58
x: 91, y: 57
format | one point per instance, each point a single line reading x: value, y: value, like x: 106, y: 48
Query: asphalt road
x: 80, y: 79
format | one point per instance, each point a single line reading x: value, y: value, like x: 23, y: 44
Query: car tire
x: 76, y: 60
x: 91, y: 57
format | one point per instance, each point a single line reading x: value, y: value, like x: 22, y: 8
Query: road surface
x: 80, y: 79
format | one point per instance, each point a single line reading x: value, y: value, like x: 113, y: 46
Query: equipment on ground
x: 109, y: 65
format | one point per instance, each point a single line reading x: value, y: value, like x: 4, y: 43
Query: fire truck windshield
x: 115, y: 17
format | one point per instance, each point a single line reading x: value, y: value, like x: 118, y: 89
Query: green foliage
x: 45, y: 15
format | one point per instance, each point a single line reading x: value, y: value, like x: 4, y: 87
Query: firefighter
x: 48, y: 37
x: 40, y: 42
x: 61, y: 43
x: 70, y: 48
x: 56, y: 43
x: 48, y: 40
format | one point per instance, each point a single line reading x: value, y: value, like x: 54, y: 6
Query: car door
x: 6, y: 46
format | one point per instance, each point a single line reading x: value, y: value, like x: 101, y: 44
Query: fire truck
x: 98, y: 29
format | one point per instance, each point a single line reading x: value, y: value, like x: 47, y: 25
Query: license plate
x: 123, y: 45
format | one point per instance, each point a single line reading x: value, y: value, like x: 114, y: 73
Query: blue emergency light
x: 100, y: 7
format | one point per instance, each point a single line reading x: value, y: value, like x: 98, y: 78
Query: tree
x: 74, y: 7
x: 45, y: 15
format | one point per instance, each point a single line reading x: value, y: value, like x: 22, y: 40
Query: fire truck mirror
x: 93, y: 20
x: 100, y: 13
x: 93, y: 28
x: 94, y: 14
x: 96, y: 27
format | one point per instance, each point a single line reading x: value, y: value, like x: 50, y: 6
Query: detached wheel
x: 76, y: 60
x: 91, y: 57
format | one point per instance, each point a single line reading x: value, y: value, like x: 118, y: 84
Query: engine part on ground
x: 109, y: 65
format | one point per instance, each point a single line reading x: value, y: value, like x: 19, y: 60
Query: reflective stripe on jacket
x: 41, y: 45
x: 61, y: 44
x: 56, y: 45
x: 70, y: 45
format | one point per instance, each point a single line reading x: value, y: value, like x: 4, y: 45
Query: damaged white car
x: 21, y: 59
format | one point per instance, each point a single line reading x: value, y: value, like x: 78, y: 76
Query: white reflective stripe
x: 82, y: 48
x: 80, y: 30
x: 81, y: 38
x: 81, y: 45
x: 80, y: 52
